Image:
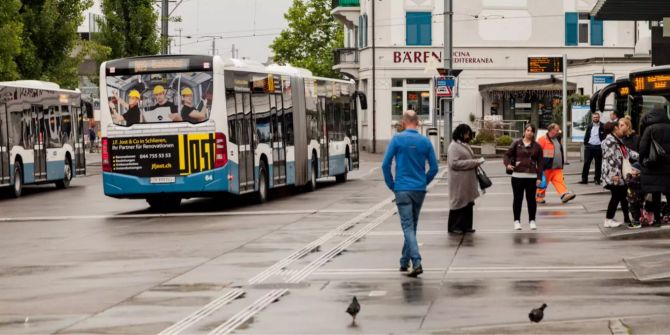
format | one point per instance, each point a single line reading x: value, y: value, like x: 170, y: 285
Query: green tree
x: 310, y: 38
x: 129, y: 28
x: 10, y: 38
x: 49, y: 40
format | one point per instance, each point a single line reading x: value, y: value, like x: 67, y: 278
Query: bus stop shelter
x: 630, y: 10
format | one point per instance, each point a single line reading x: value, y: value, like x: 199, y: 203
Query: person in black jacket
x: 655, y: 176
x: 595, y: 134
x: 524, y: 160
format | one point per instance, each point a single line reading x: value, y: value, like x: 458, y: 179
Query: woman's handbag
x: 656, y: 153
x: 626, y: 166
x: 484, y: 180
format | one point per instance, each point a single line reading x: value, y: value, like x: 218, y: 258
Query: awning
x: 629, y: 10
x: 541, y: 88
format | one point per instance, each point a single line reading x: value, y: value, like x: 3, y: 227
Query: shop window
x: 424, y: 81
x: 418, y: 28
x: 419, y: 101
x: 396, y: 105
x: 396, y: 83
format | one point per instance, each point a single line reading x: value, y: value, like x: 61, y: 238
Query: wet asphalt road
x: 76, y: 262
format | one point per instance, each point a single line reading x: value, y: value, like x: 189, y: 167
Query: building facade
x: 491, y: 42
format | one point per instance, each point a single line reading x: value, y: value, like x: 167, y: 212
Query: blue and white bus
x: 177, y: 126
x: 41, y: 135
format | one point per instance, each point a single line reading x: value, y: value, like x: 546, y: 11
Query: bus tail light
x: 220, y: 152
x: 106, y: 167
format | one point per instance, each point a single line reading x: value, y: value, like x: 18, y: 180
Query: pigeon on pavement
x: 353, y: 309
x: 536, y: 314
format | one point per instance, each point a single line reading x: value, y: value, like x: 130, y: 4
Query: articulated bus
x: 41, y: 135
x: 179, y: 126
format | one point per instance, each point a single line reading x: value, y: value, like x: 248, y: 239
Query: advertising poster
x: 580, y: 120
x: 154, y: 156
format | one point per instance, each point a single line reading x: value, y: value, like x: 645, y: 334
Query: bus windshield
x: 160, y: 97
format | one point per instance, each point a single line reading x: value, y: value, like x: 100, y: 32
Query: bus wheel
x: 311, y: 184
x: 17, y: 189
x: 164, y: 203
x: 263, y: 189
x: 67, y: 175
x: 342, y: 178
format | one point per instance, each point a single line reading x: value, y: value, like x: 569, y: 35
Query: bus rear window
x: 160, y: 97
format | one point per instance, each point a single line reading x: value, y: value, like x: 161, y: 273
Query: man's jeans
x: 409, y: 206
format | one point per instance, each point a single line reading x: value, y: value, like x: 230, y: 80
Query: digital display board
x: 545, y: 64
x: 158, y: 64
x: 624, y: 91
x: 651, y: 83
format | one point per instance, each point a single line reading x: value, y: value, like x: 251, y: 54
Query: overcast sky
x: 249, y: 24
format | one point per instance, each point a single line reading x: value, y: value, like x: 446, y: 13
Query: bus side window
x: 230, y: 108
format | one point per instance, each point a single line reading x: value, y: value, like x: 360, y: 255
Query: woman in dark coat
x: 655, y: 177
x: 524, y: 160
x: 463, y: 184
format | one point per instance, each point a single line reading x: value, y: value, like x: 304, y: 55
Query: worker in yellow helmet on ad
x: 189, y: 112
x: 132, y: 114
x: 162, y: 102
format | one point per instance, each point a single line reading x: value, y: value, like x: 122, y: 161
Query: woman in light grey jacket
x: 463, y: 184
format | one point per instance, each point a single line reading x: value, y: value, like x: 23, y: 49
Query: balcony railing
x: 346, y: 3
x: 346, y: 56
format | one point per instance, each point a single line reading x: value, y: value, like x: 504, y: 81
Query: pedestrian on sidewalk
x: 524, y: 159
x: 595, y: 134
x: 463, y: 184
x: 552, y: 151
x: 616, y: 163
x: 655, y: 176
x: 411, y: 151
x: 91, y: 137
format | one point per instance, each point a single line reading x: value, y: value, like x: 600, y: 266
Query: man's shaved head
x: 409, y: 117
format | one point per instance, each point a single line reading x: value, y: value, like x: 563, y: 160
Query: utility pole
x: 179, y: 30
x: 374, y: 91
x: 565, y: 108
x: 447, y: 104
x: 213, y: 37
x: 164, y: 27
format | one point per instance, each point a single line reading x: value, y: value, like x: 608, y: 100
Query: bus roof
x: 36, y: 84
x: 663, y: 68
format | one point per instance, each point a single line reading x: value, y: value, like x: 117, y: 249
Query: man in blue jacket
x: 411, y: 150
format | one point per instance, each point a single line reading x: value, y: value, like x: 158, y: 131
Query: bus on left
x: 41, y: 135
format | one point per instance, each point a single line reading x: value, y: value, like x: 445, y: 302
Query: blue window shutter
x: 596, y: 31
x: 418, y: 27
x: 359, y: 36
x: 571, y: 25
x: 365, y: 31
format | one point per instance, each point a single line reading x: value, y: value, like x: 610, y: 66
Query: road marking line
x: 497, y: 209
x: 203, y: 312
x: 490, y: 231
x: 167, y: 215
x: 377, y: 293
x: 475, y: 269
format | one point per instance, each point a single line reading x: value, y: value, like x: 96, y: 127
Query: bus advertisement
x: 176, y: 127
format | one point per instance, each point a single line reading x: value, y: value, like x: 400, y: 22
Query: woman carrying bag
x: 463, y: 181
x: 524, y: 161
x: 616, y: 164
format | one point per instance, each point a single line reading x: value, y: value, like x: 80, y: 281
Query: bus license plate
x: 162, y: 180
